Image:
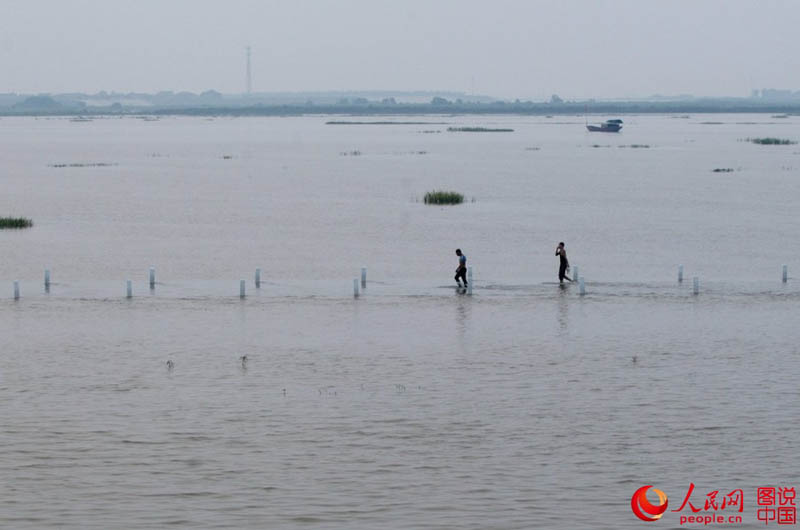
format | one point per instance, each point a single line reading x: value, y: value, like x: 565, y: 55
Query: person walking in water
x: 461, y: 271
x: 564, y: 263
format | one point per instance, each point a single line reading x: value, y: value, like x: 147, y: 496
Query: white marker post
x: 355, y: 287
x: 363, y: 276
x: 469, y: 280
x: 785, y: 274
x: 128, y: 289
x: 680, y: 273
x: 258, y: 278
x: 575, y: 274
x: 241, y: 288
x: 695, y: 285
x: 47, y: 280
x: 16, y: 289
x: 152, y: 277
x: 581, y: 287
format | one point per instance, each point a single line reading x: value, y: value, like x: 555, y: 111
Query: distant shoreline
x: 739, y: 106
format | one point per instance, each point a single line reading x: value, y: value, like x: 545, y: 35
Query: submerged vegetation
x: 385, y: 123
x: 15, y: 222
x: 443, y: 197
x: 476, y: 129
x: 632, y: 146
x: 86, y: 164
x: 770, y: 141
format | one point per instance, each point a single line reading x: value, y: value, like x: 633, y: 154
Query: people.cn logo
x: 644, y: 509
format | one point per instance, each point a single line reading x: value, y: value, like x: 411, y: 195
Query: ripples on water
x: 413, y: 406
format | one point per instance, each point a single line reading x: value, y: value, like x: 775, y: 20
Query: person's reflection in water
x: 463, y: 318
x: 563, y: 309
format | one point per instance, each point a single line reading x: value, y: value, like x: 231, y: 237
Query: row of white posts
x: 575, y: 276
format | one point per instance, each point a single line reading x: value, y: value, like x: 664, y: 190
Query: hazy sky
x: 525, y: 48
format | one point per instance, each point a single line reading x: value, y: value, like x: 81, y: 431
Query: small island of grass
x: 85, y: 164
x: 385, y: 123
x: 476, y: 129
x: 771, y: 141
x: 443, y: 197
x: 15, y: 222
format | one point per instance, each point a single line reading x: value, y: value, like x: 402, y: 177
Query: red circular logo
x: 644, y: 509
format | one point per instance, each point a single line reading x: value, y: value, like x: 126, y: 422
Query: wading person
x: 461, y: 271
x: 563, y: 263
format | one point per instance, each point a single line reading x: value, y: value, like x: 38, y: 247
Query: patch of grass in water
x: 770, y: 141
x: 476, y: 129
x: 443, y: 197
x: 722, y: 170
x: 385, y: 123
x: 637, y: 146
x: 86, y: 164
x: 15, y: 222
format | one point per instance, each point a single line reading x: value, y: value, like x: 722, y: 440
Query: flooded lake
x: 522, y: 405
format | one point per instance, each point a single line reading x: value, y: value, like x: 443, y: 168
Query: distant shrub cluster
x: 476, y: 129
x: 443, y: 197
x: 723, y: 170
x: 770, y: 141
x: 15, y: 222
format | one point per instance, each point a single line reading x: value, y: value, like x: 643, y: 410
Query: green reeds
x: 770, y: 141
x: 87, y: 164
x: 443, y: 197
x: 476, y: 129
x: 15, y: 222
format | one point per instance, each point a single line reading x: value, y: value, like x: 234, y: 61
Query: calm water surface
x: 413, y: 406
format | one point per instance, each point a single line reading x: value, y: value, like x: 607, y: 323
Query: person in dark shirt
x: 563, y: 263
x: 461, y: 271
